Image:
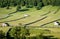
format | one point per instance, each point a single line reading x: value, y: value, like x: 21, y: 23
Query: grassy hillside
x: 37, y: 18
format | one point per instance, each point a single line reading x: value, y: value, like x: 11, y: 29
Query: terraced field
x: 34, y: 19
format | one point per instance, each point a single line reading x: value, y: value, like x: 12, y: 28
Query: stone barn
x: 5, y: 24
x: 56, y: 23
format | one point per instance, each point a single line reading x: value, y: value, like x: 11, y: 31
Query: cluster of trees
x: 51, y: 2
x: 20, y: 3
x: 22, y: 33
x: 28, y: 3
x: 4, y: 3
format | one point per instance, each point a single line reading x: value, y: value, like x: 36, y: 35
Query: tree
x: 15, y: 32
x: 39, y: 6
x: 27, y: 3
